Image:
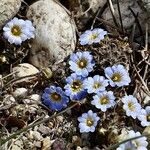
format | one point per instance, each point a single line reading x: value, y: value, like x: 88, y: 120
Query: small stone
x: 25, y: 69
x: 8, y: 10
x: 8, y: 99
x: 78, y: 148
x: 43, y: 129
x: 20, y: 92
x: 35, y: 97
x: 146, y: 99
x: 47, y: 143
x: 60, y: 118
x: 18, y: 145
x: 37, y: 144
x: 37, y: 135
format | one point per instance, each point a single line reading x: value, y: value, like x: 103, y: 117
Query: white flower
x: 95, y: 84
x: 136, y: 144
x: 92, y: 36
x: 117, y: 75
x: 131, y: 106
x: 144, y: 116
x: 81, y: 63
x: 103, y: 100
x: 126, y: 146
x: 18, y: 30
x: 140, y: 143
x: 88, y: 121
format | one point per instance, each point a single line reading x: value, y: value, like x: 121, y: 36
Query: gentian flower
x: 95, y: 84
x: 88, y: 121
x: 117, y: 75
x: 144, y: 116
x: 74, y: 87
x: 92, y: 36
x: 18, y: 30
x: 55, y: 98
x: 81, y: 63
x: 103, y: 100
x: 131, y: 106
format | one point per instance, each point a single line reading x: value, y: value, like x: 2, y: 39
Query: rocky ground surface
x: 26, y: 70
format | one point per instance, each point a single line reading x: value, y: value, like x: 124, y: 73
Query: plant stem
x: 3, y: 141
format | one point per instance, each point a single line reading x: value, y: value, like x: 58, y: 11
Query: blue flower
x: 17, y: 30
x: 88, y: 121
x: 131, y: 106
x: 144, y: 116
x: 55, y: 98
x: 103, y: 100
x: 117, y: 75
x: 92, y: 36
x: 81, y: 63
x: 95, y: 84
x: 74, y: 87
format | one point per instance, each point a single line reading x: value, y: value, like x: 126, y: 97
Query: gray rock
x: 8, y: 10
x: 55, y: 33
x: 128, y: 18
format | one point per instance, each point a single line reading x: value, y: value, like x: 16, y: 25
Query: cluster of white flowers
x: 116, y: 75
x: 18, y: 30
x: 81, y: 63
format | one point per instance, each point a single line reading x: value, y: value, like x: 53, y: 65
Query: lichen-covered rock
x: 8, y: 9
x: 55, y: 33
x: 128, y: 18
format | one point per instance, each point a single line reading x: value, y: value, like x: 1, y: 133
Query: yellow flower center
x: 96, y: 85
x: 76, y: 86
x: 148, y: 117
x: 89, y: 122
x: 116, y: 77
x: 104, y: 100
x: 131, y: 106
x: 55, y: 97
x: 93, y: 36
x: 82, y: 63
x: 16, y: 31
